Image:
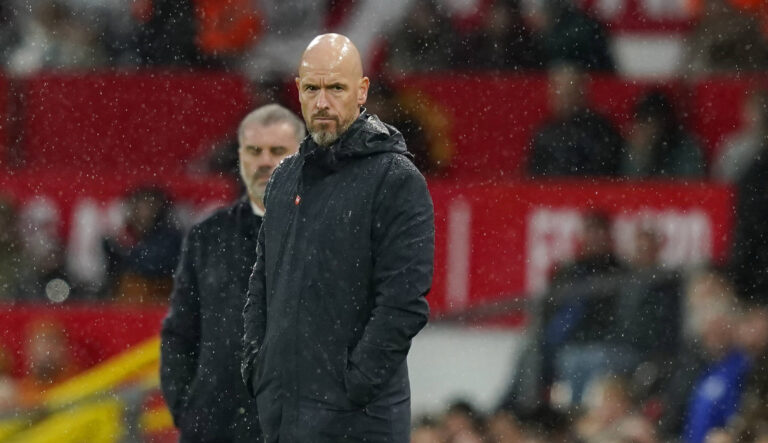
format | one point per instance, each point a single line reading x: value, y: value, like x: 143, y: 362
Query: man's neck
x: 257, y: 205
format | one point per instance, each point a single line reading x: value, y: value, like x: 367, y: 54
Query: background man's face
x: 261, y: 150
x: 566, y: 91
x: 330, y: 102
x: 143, y: 212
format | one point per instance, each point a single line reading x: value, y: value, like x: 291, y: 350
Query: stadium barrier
x: 115, y: 401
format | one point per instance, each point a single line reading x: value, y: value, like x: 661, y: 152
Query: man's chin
x: 256, y: 190
x: 324, y: 138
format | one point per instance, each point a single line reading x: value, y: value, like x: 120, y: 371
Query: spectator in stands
x: 719, y: 384
x: 426, y: 431
x: 612, y: 415
x: 740, y: 150
x: 752, y: 337
x: 225, y: 30
x: 11, y: 257
x: 116, y: 27
x: 759, y: 8
x: 726, y: 40
x: 569, y: 35
x: 423, y: 43
x: 385, y: 104
x: 142, y: 257
x: 704, y: 288
x: 719, y: 435
x: 200, y: 358
x: 45, y: 278
x: 657, y: 146
x: 571, y: 327
x: 503, y: 41
x: 575, y: 141
x: 581, y: 317
x: 166, y: 34
x: 503, y: 427
x: 288, y: 25
x: 749, y: 252
x: 461, y: 424
x: 647, y: 311
x: 44, y: 271
x: 49, y: 360
x: 52, y: 36
x: 9, y: 30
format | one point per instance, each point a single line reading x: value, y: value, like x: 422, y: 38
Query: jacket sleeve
x: 254, y: 314
x: 181, y: 331
x: 403, y: 237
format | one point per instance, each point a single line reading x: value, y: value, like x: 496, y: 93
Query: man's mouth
x: 261, y: 178
x: 324, y: 118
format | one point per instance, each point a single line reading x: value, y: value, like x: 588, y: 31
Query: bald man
x: 344, y: 262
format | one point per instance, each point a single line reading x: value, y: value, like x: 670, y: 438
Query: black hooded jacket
x: 344, y: 262
x: 201, y: 336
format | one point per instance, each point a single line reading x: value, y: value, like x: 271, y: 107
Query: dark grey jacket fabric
x: 202, y: 334
x: 344, y: 262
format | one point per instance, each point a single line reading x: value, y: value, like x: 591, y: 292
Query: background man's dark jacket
x: 584, y: 144
x: 201, y: 346
x: 345, y: 259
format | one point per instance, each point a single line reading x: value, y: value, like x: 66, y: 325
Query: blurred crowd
x: 628, y: 350
x: 263, y: 38
x: 138, y: 257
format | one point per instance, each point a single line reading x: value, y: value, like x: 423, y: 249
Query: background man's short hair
x: 271, y: 114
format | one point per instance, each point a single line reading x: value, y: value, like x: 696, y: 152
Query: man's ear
x: 298, y: 85
x: 362, y: 91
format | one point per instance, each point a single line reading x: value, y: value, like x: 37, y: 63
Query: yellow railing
x: 88, y: 407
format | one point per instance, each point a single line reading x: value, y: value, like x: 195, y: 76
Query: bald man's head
x: 331, y: 87
x: 332, y: 51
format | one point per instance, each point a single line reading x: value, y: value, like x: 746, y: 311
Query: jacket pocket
x: 338, y: 424
x: 254, y: 381
x: 359, y: 390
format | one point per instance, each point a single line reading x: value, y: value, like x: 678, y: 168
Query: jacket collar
x: 366, y: 136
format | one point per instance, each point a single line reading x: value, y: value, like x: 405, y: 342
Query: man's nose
x: 265, y: 168
x: 322, y: 102
x: 265, y: 160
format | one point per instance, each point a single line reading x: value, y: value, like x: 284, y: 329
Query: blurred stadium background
x: 117, y: 130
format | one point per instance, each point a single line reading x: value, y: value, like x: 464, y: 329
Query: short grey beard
x: 327, y: 138
x: 324, y: 138
x: 254, y: 191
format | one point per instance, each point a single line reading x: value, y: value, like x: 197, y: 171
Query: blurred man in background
x: 201, y: 335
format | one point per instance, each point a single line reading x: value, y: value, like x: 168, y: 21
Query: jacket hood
x: 365, y: 137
